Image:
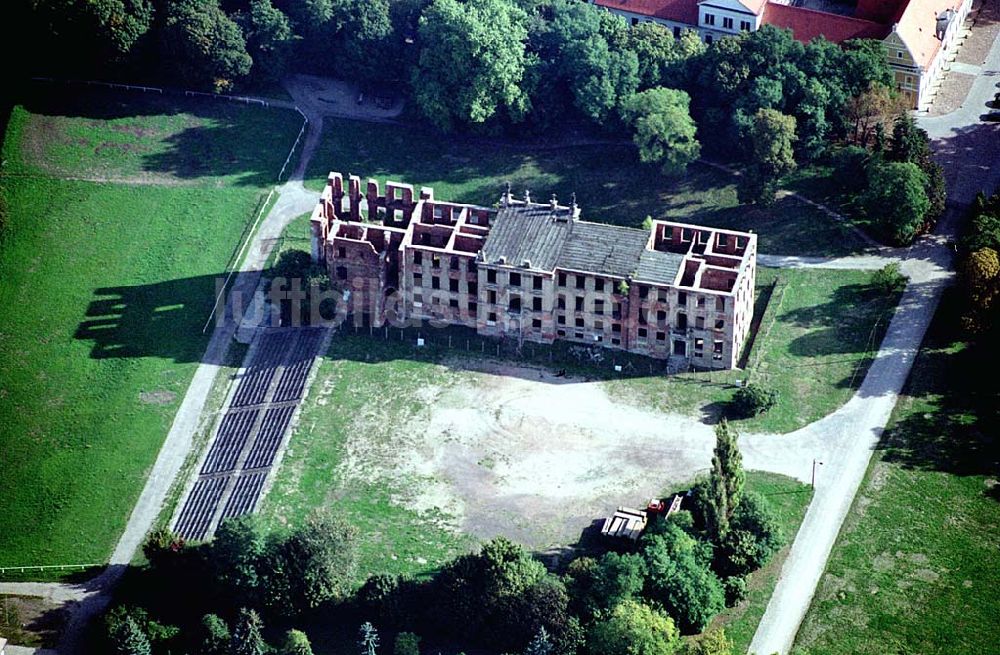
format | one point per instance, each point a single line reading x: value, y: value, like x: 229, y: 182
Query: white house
x: 918, y: 34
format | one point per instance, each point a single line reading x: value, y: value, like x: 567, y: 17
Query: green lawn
x: 611, y: 185
x: 789, y: 499
x: 818, y: 332
x: 107, y: 288
x: 149, y: 139
x: 393, y: 539
x: 915, y: 568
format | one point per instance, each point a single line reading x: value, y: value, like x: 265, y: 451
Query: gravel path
x: 92, y: 597
x: 844, y: 441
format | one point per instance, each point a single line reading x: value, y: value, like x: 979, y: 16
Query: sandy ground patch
x: 520, y: 452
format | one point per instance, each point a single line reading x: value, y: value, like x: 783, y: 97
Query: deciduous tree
x: 875, y: 107
x: 296, y: 643
x: 679, y: 577
x: 726, y: 481
x: 771, y: 139
x: 664, y: 130
x: 312, y: 565
x: 713, y: 642
x: 896, y: 200
x: 269, y: 39
x: 472, y: 62
x: 633, y: 628
x: 203, y: 45
x: 235, y: 557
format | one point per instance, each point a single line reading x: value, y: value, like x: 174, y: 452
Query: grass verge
x: 914, y: 569
x: 789, y: 499
x: 611, y: 185
x: 168, y: 140
x: 99, y: 353
x: 816, y: 340
x: 110, y: 285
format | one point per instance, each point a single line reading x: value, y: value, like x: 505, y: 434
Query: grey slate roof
x: 601, y: 248
x: 534, y: 234
x: 658, y: 266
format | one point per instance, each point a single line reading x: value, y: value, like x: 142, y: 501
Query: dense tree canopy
x: 204, y: 44
x: 599, y: 585
x: 771, y: 138
x: 664, y: 130
x: 313, y: 565
x: 296, y: 643
x: 472, y: 62
x: 633, y: 628
x: 896, y: 200
x: 268, y: 37
x: 680, y: 578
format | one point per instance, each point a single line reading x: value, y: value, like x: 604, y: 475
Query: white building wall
x: 634, y: 19
x: 948, y: 44
x: 719, y: 15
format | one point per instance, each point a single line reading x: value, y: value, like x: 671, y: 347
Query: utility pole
x: 815, y: 462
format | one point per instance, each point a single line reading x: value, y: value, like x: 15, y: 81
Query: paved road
x: 970, y: 151
x: 853, y: 262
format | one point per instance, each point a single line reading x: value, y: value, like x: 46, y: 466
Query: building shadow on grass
x: 163, y: 319
x: 461, y: 348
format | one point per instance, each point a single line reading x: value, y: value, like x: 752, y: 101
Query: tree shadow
x: 852, y: 321
x: 38, y: 622
x: 951, y: 408
x: 244, y: 144
x: 971, y: 162
x: 712, y: 412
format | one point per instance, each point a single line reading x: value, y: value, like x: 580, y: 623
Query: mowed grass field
x: 818, y: 333
x: 610, y: 183
x: 915, y: 568
x: 106, y: 288
x: 393, y: 538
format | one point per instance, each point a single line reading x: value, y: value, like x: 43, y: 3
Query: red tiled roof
x: 756, y: 6
x: 916, y: 26
x: 880, y: 11
x: 680, y: 11
x: 807, y: 24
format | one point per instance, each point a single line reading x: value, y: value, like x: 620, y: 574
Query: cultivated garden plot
x: 112, y: 282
